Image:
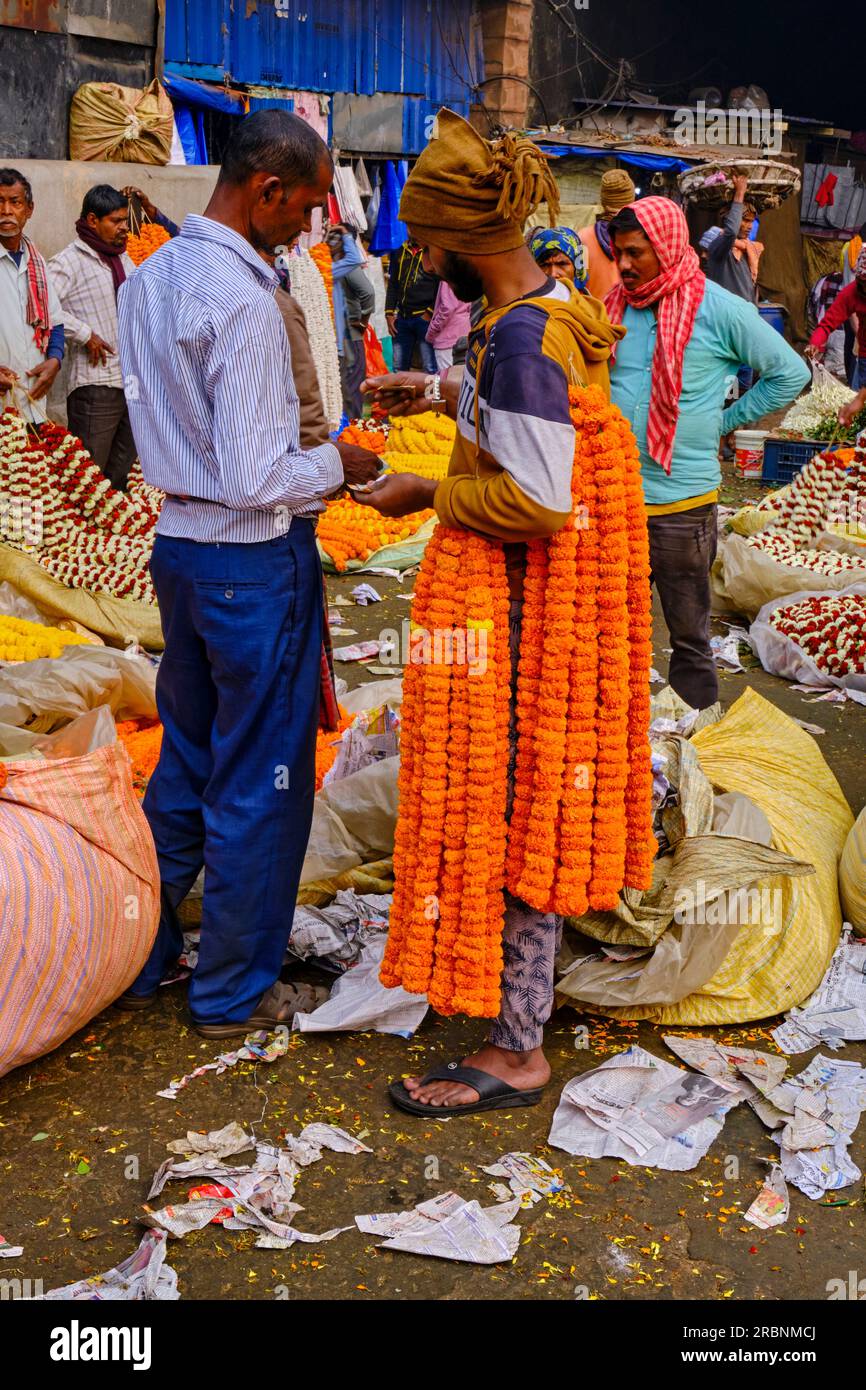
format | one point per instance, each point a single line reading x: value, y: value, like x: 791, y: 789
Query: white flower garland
x: 308, y: 288
x: 65, y: 513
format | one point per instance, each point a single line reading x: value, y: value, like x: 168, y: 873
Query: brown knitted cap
x: 617, y: 191
x: 471, y: 195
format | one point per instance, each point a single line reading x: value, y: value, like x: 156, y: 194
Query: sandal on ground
x: 279, y: 1004
x: 493, y: 1093
x: 130, y: 1003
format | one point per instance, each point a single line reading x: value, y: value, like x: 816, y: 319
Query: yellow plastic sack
x: 759, y: 751
x: 124, y: 124
x: 748, y: 521
x: 116, y: 620
x: 852, y: 876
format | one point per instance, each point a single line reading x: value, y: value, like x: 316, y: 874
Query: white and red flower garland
x: 830, y: 629
x: 63, y: 511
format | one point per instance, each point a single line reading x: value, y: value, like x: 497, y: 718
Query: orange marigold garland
x: 580, y: 828
x: 321, y: 254
x: 640, y: 840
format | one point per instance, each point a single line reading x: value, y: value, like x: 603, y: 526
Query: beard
x: 462, y: 277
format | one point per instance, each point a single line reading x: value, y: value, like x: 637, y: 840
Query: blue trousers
x: 408, y: 332
x: 238, y: 695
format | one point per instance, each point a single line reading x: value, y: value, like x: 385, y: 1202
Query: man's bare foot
x: 525, y: 1071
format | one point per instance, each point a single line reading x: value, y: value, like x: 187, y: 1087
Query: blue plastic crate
x: 784, y: 458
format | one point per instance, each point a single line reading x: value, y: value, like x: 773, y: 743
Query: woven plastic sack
x: 79, y: 884
x: 759, y: 751
x: 852, y: 876
x: 116, y: 620
x: 121, y: 124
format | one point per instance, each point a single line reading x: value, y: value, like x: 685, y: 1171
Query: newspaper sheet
x: 644, y: 1110
x: 836, y: 1012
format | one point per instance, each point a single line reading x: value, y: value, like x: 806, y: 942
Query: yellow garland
x: 21, y: 640
x: 581, y: 824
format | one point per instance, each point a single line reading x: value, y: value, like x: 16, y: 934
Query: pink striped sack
x: 79, y: 896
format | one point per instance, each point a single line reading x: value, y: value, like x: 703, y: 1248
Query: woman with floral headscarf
x: 561, y: 254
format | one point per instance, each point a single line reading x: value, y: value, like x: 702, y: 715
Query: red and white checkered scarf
x: 678, y: 292
x: 38, y: 315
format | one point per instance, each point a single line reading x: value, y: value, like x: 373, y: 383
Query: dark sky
x: 805, y: 55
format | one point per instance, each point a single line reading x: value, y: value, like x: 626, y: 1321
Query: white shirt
x: 85, y: 287
x: 18, y: 349
x: 212, y: 400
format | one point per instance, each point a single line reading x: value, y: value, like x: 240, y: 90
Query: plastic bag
x: 389, y: 232
x: 44, y: 694
x: 780, y: 654
x: 747, y: 578
x: 123, y: 124
x: 374, y: 360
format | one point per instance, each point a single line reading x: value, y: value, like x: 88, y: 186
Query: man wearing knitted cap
x: 686, y: 338
x: 509, y: 479
x: 617, y: 191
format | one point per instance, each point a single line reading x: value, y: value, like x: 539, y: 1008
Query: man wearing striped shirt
x: 207, y: 372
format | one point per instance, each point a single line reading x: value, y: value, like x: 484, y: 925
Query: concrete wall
x: 100, y: 41
x: 59, y: 187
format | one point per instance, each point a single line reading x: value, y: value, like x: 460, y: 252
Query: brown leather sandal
x: 279, y: 1004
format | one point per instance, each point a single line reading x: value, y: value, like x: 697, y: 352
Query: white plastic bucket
x: 749, y: 452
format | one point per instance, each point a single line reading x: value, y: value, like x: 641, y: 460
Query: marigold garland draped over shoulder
x: 581, y: 824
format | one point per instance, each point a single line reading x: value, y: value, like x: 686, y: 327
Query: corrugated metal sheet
x: 424, y: 48
x: 196, y: 32
x: 418, y: 115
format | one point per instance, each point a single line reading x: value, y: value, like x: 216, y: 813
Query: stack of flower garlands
x: 347, y: 531
x: 421, y: 444
x: 829, y: 494
x: 64, y: 512
x: 142, y: 739
x: 831, y: 629
x: 21, y: 640
x: 141, y: 244
x: 581, y: 827
x: 308, y: 288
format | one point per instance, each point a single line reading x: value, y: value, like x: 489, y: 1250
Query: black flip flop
x: 493, y: 1094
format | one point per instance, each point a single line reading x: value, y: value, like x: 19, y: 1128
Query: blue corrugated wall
x: 420, y: 48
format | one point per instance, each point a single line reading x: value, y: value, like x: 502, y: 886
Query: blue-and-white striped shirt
x: 208, y: 378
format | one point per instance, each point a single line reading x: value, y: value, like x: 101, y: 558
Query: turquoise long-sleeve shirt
x: 729, y: 333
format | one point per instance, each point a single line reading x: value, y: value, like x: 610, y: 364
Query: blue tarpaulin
x: 664, y: 163
x: 187, y: 93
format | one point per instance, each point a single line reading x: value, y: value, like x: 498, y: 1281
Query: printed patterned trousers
x: 530, y: 939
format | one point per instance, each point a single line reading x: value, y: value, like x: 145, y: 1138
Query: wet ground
x: 82, y: 1131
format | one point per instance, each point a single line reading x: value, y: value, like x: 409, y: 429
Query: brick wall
x: 506, y: 27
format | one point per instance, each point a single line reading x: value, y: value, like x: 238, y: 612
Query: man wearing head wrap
x: 686, y: 338
x: 850, y: 300
x: 466, y: 203
x: 616, y: 192
x: 561, y: 254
